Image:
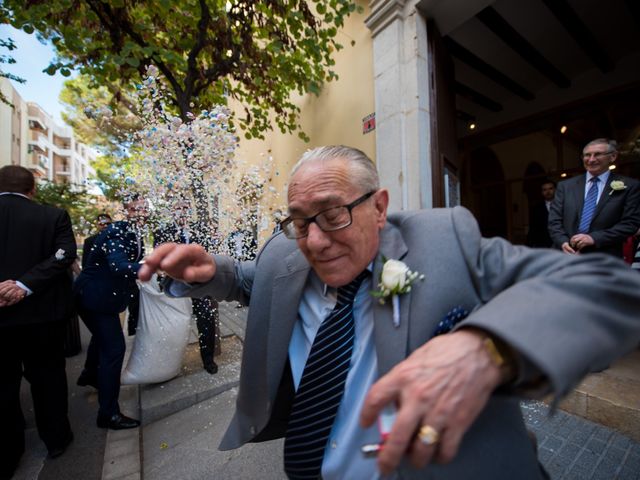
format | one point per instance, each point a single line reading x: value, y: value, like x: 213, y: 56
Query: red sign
x: 369, y: 123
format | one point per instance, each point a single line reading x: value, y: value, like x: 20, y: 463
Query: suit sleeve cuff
x: 24, y: 287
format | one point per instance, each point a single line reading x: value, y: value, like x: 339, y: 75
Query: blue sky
x: 31, y: 58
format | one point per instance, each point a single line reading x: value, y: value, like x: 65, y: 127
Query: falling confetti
x: 191, y: 174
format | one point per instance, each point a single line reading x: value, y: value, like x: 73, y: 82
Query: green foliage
x: 7, y: 59
x: 257, y: 52
x: 101, y: 115
x: 81, y: 206
x: 112, y: 172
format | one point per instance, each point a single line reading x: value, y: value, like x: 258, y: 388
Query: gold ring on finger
x: 428, y: 435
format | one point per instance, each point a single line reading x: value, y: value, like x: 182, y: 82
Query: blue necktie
x: 589, y: 207
x: 318, y: 397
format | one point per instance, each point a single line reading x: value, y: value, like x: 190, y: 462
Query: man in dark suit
x: 37, y: 248
x: 538, y: 235
x: 103, y: 291
x: 323, y: 358
x: 102, y: 222
x: 597, y: 211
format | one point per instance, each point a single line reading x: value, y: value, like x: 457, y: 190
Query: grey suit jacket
x: 547, y: 305
x: 617, y: 214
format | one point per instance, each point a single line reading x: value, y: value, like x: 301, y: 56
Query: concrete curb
x: 122, y: 453
x: 153, y: 413
x: 123, y: 450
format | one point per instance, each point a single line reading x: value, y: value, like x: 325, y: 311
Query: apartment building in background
x: 31, y: 138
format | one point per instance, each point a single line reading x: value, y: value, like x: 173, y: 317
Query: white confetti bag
x: 161, y: 337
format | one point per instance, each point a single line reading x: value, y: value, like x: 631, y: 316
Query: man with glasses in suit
x: 596, y: 211
x: 323, y: 358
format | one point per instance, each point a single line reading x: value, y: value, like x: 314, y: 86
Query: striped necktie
x: 316, y: 402
x: 589, y: 207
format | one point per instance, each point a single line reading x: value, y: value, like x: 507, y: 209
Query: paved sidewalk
x: 184, y: 419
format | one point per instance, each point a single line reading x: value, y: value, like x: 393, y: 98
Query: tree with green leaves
x: 207, y: 51
x: 75, y: 199
x: 104, y: 116
x: 10, y: 45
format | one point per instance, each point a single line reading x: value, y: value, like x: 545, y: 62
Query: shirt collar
x: 604, y: 177
x: 15, y: 193
x: 325, y: 287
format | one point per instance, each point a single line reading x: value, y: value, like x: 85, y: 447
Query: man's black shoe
x: 57, y: 451
x: 86, y: 379
x: 117, y: 422
x: 211, y: 367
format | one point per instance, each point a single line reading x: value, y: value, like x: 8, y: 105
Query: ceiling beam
x: 572, y: 23
x: 464, y: 116
x: 634, y: 7
x: 498, y: 25
x: 476, y: 97
x: 487, y: 70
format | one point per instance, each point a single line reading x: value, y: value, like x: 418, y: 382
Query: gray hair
x: 611, y: 144
x: 362, y: 168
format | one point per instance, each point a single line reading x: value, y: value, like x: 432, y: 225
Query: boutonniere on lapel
x: 395, y: 279
x: 616, y: 186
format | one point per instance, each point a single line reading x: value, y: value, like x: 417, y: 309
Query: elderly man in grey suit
x: 597, y: 211
x: 323, y: 358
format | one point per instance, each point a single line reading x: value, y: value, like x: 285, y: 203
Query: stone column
x: 399, y: 34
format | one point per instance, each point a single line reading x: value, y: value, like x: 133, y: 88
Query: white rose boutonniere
x: 395, y: 279
x: 617, y: 185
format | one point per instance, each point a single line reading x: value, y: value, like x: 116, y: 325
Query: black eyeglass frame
x: 292, y: 235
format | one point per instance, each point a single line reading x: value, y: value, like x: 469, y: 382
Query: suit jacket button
x: 268, y: 407
x: 252, y: 430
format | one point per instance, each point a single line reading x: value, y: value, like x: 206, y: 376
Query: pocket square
x: 450, y: 320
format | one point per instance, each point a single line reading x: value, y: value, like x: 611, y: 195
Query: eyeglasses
x: 596, y: 155
x: 329, y: 220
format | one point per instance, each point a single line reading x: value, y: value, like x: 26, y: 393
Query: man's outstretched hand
x: 190, y: 263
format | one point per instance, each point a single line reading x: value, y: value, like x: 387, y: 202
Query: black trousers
x: 206, y: 312
x: 134, y: 309
x: 37, y: 353
x: 104, y: 357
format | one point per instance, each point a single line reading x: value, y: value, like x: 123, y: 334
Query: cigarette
x: 371, y: 450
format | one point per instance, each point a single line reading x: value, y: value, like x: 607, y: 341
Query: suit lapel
x: 391, y: 341
x: 578, y: 198
x: 286, y: 293
x: 604, y: 198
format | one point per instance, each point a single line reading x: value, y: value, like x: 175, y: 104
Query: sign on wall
x: 369, y: 123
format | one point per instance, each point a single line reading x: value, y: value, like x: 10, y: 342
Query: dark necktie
x: 589, y: 207
x: 318, y: 397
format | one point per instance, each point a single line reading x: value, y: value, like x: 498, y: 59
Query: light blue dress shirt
x: 603, y: 179
x: 343, y: 458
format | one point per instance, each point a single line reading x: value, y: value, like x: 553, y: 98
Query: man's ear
x: 32, y: 193
x: 381, y: 199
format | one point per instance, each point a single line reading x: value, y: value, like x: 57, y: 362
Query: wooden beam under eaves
x: 476, y: 97
x: 498, y: 25
x: 572, y: 23
x: 634, y: 8
x: 485, y: 69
